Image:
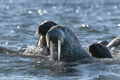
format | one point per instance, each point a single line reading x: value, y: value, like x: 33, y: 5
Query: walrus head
x: 99, y: 51
x: 42, y: 30
x: 55, y: 39
x: 44, y: 27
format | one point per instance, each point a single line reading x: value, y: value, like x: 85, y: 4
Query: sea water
x: 91, y: 20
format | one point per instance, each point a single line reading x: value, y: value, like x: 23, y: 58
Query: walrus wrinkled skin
x: 42, y: 30
x: 71, y: 49
x: 99, y: 51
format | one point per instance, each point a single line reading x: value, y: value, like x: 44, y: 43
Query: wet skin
x: 71, y: 49
x: 99, y: 51
x: 103, y: 42
x: 42, y: 30
x: 114, y: 43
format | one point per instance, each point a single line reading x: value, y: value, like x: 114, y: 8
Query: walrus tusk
x: 38, y: 42
x: 37, y: 32
x: 59, y: 49
x: 51, y: 51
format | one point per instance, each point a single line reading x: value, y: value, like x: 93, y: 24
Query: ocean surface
x: 91, y: 20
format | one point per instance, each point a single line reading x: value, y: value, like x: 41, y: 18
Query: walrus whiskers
x: 51, y: 51
x: 59, y: 49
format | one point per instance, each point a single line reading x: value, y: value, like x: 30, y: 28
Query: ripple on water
x: 91, y: 21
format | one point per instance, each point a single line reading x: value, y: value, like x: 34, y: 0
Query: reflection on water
x: 91, y: 21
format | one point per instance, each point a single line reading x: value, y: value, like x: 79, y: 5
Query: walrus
x: 8, y: 51
x: 99, y: 51
x: 103, y: 42
x: 41, y: 43
x: 64, y: 45
x: 114, y: 43
x: 69, y: 48
x: 53, y: 36
x: 42, y: 30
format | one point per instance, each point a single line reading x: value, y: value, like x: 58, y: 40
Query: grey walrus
x: 41, y: 43
x: 61, y: 43
x: 103, y: 42
x: 42, y: 30
x: 5, y: 50
x: 114, y: 43
x: 64, y: 45
x: 101, y: 49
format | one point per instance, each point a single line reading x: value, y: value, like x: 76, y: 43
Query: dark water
x: 91, y: 20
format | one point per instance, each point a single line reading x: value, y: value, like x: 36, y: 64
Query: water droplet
x: 40, y: 12
x: 45, y: 11
x: 6, y: 43
x: 18, y: 26
x: 30, y: 12
x: 119, y: 25
x: 77, y: 11
x: 87, y: 25
x: 83, y: 25
x: 115, y: 7
x: 12, y: 31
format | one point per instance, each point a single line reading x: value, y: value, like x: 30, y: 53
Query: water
x: 91, y: 20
